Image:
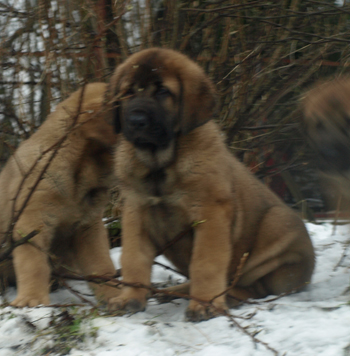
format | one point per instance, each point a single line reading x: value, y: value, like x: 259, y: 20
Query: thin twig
x: 179, y: 237
x: 6, y: 254
x: 236, y: 276
x: 169, y: 268
x: 116, y: 283
x: 76, y: 293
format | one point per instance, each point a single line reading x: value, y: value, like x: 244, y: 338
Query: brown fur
x: 67, y: 205
x: 327, y: 124
x: 195, y: 178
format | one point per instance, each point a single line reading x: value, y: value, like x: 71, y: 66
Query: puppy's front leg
x: 31, y: 265
x: 137, y: 258
x: 92, y: 257
x: 209, y: 264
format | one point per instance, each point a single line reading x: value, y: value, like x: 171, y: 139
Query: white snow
x: 313, y: 322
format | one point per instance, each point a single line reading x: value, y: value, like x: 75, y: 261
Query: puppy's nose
x: 138, y: 120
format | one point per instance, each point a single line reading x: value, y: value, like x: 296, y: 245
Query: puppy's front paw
x: 131, y: 300
x: 30, y: 301
x: 198, y: 312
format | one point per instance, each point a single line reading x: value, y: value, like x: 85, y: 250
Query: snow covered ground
x: 310, y: 323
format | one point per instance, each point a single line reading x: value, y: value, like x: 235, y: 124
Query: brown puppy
x: 327, y: 123
x: 174, y: 169
x: 68, y: 203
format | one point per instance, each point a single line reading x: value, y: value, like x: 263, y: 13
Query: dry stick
x: 60, y: 305
x: 284, y: 294
x: 97, y: 279
x: 153, y: 290
x: 289, y: 39
x: 294, y: 14
x: 344, y: 254
x: 336, y: 215
x: 347, y: 245
x: 290, y: 30
x: 289, y: 292
x: 254, y: 339
x: 169, y: 268
x: 176, y: 238
x: 173, y: 241
x: 264, y: 127
x: 290, y: 84
x: 244, y: 6
x: 76, y: 293
x: 236, y: 277
x: 7, y: 253
x: 200, y: 28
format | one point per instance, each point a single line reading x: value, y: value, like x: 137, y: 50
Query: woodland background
x: 262, y: 56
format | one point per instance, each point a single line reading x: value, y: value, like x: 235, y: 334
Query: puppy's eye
x: 162, y: 92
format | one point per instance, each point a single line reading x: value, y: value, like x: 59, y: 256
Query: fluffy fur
x: 174, y: 169
x: 327, y: 124
x: 68, y: 203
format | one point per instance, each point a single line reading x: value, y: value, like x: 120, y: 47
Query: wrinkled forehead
x: 150, y: 70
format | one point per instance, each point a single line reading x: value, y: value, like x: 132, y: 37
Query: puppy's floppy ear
x: 198, y: 100
x: 89, y: 112
x: 98, y: 130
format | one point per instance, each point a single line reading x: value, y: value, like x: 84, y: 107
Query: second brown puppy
x: 174, y: 169
x: 69, y: 195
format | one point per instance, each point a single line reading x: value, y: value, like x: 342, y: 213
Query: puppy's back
x: 30, y: 151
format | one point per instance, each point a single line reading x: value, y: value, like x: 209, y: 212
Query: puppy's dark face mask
x: 148, y: 120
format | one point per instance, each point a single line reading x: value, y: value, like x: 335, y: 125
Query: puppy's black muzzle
x: 147, y: 125
x: 138, y: 121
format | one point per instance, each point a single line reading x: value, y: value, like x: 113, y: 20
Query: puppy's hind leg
x: 282, y: 259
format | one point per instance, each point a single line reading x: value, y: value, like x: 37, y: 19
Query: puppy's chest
x: 165, y: 222
x: 166, y: 205
x: 157, y: 184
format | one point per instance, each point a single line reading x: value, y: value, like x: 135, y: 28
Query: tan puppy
x: 174, y: 169
x: 327, y: 123
x: 67, y: 205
